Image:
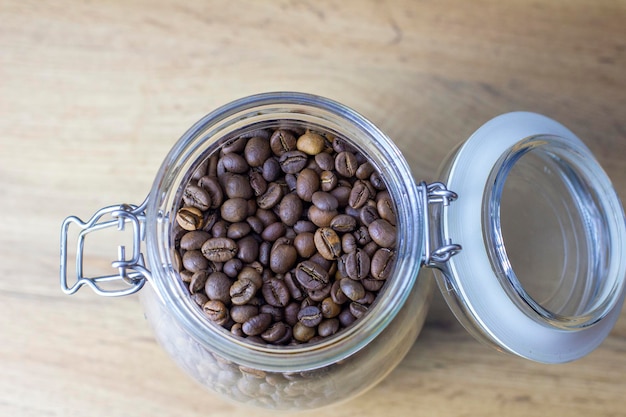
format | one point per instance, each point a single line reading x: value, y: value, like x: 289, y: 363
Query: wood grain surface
x: 94, y: 94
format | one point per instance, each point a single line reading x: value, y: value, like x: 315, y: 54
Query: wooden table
x: 94, y: 94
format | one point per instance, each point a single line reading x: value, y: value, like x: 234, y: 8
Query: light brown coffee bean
x: 190, y: 218
x: 310, y: 143
x: 303, y: 333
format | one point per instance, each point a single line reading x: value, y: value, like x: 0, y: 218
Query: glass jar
x: 529, y: 201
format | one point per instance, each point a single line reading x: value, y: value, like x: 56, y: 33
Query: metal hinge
x: 444, y: 249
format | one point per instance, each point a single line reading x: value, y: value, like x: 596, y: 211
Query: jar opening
x: 547, y: 232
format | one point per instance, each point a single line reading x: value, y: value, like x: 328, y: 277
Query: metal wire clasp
x: 444, y: 249
x: 131, y: 272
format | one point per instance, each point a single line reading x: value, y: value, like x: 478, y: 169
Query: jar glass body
x: 305, y: 376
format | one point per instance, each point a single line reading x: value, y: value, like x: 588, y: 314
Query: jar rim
x: 203, y: 138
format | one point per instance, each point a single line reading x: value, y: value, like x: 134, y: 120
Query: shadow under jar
x: 528, y: 251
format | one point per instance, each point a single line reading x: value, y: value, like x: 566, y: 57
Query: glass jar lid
x: 541, y: 273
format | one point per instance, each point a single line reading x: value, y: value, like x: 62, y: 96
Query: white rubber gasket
x: 486, y: 302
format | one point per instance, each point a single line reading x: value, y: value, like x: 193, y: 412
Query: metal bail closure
x: 131, y: 272
x: 444, y: 249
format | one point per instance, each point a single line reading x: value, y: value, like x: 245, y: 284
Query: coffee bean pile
x: 285, y: 236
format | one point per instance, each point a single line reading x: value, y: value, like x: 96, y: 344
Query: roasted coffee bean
x: 275, y: 332
x: 382, y: 263
x: 271, y: 197
x: 273, y: 231
x: 293, y: 161
x: 348, y: 242
x: 324, y: 201
x: 359, y: 195
x: 328, y: 180
x: 330, y: 308
x: 310, y: 316
x: 343, y: 223
x: 216, y: 311
x: 352, y: 289
x: 195, y: 196
x: 234, y: 145
x: 377, y: 181
x: 307, y: 183
x: 256, y: 325
x: 235, y: 163
x: 234, y: 210
x: 255, y: 223
x: 342, y: 194
x: 219, y: 249
x: 217, y: 287
x: 236, y: 331
x: 385, y: 208
x: 198, y: 280
x: 328, y: 327
x: 371, y: 248
x: 248, y: 249
x: 236, y: 186
x: 328, y: 243
x: 367, y: 299
x: 293, y: 286
x: 305, y: 244
x: 232, y: 267
x: 213, y: 187
x: 290, y: 209
x: 364, y: 171
x: 199, y: 298
x: 362, y: 236
x: 312, y: 275
x: 346, y: 318
x: 368, y: 213
x: 194, y: 261
x: 220, y: 229
x: 325, y: 161
x: 267, y: 217
x: 257, y: 151
x: 258, y: 183
x: 310, y: 143
x: 372, y: 284
x: 321, y: 218
x: 346, y: 164
x: 264, y: 253
x: 190, y: 218
x: 194, y: 240
x: 291, y: 313
x: 319, y: 295
x: 282, y: 141
x: 303, y: 333
x: 290, y: 182
x: 238, y: 230
x: 277, y: 313
x: 271, y: 170
x: 242, y: 291
x: 283, y: 258
x: 252, y: 274
x: 304, y: 226
x: 242, y: 313
x: 383, y: 233
x: 185, y: 275
x: 357, y: 310
x: 357, y: 264
x: 275, y: 292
